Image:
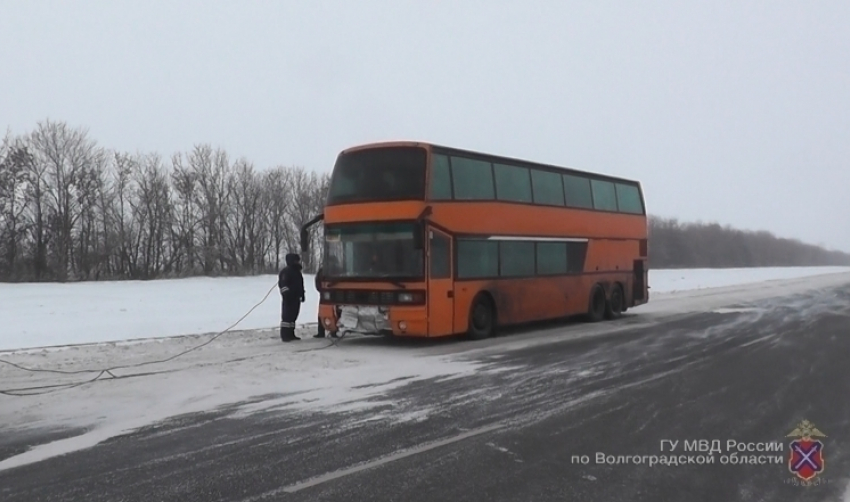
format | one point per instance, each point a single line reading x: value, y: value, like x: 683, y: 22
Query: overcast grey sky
x: 729, y: 111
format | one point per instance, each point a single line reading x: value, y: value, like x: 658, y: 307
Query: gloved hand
x: 302, y: 299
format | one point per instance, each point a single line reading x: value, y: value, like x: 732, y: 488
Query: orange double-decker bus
x: 424, y: 240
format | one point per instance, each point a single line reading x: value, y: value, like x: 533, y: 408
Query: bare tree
x: 89, y: 237
x: 152, y: 212
x: 15, y: 162
x: 303, y: 191
x: 36, y: 216
x: 108, y: 252
x: 65, y: 153
x: 184, y: 180
x: 210, y: 168
x: 124, y: 167
x: 277, y: 184
x: 245, y: 218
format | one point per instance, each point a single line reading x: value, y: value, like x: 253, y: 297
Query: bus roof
x: 481, y: 155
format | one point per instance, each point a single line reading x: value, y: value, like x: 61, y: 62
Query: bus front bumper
x: 375, y: 320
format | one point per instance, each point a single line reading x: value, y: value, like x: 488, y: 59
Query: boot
x: 292, y: 334
x: 284, y: 336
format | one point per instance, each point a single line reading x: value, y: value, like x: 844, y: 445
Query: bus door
x: 440, y: 283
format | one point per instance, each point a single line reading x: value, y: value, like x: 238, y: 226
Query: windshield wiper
x: 391, y: 281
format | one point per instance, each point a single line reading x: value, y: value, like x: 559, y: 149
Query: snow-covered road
x: 247, y: 417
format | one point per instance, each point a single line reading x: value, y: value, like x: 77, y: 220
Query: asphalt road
x: 749, y: 374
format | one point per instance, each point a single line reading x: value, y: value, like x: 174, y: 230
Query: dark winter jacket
x: 290, y: 280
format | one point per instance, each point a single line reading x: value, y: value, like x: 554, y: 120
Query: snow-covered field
x: 39, y: 315
x: 667, y: 281
x: 247, y: 371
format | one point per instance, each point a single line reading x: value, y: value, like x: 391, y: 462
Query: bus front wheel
x: 482, y: 318
x: 598, y: 304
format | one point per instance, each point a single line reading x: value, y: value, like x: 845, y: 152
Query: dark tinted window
x: 517, y: 258
x: 628, y: 199
x: 551, y: 258
x: 440, y: 256
x: 512, y: 183
x: 548, y: 188
x: 477, y: 258
x: 372, y: 250
x: 604, y: 196
x: 441, y: 178
x: 378, y: 174
x: 577, y: 190
x: 473, y: 179
x: 576, y: 253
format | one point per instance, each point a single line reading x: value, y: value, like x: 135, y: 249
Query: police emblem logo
x: 806, y: 459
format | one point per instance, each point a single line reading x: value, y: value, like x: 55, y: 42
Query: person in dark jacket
x: 321, y: 328
x: 291, y: 284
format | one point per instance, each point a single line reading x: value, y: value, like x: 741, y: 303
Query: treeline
x: 699, y: 245
x: 71, y: 210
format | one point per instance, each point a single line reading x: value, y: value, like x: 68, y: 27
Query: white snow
x: 46, y: 314
x: 668, y: 281
x: 50, y: 314
x: 249, y: 371
x: 254, y: 372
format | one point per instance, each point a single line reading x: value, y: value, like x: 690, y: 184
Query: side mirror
x: 305, y: 241
x: 419, y: 236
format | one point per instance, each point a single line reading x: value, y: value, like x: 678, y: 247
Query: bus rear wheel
x: 598, y: 304
x: 614, y: 306
x: 482, y: 318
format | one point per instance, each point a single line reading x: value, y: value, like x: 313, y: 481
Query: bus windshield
x: 381, y: 250
x: 393, y: 173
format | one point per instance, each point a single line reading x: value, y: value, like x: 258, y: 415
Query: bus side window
x: 440, y: 256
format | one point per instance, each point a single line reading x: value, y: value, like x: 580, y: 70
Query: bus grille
x: 372, y: 297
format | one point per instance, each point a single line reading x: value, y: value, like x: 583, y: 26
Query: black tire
x: 614, y: 305
x: 482, y: 318
x: 597, y: 304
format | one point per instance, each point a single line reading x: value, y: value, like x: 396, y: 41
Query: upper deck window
x: 604, y: 195
x: 464, y: 178
x: 379, y: 174
x: 548, y: 188
x: 512, y: 183
x: 473, y: 179
x: 628, y: 199
x: 578, y: 192
x: 441, y: 178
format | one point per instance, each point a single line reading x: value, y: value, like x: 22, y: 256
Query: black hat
x: 292, y: 259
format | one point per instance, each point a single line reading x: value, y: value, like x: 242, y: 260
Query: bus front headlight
x: 411, y: 297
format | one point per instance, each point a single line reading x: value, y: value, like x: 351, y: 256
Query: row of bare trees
x: 73, y: 210
x: 673, y: 244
